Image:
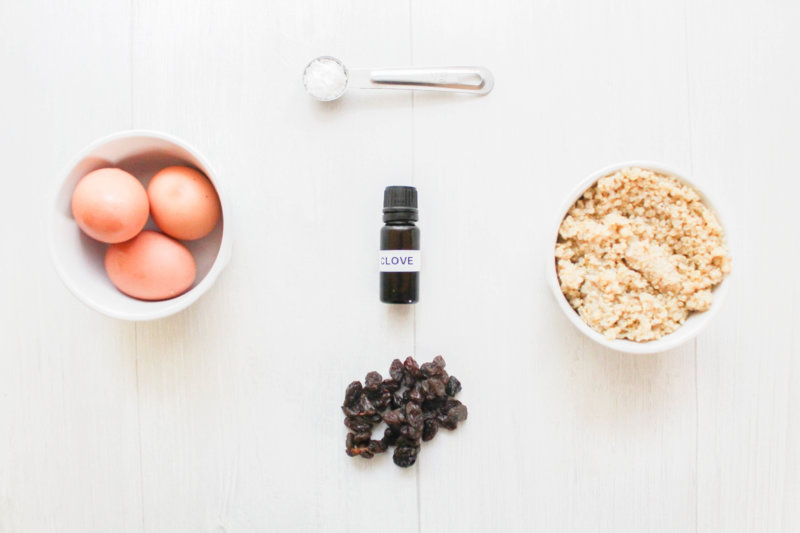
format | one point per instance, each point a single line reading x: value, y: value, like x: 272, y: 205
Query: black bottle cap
x: 400, y: 203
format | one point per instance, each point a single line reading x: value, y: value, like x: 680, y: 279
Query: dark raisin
x: 434, y: 368
x: 365, y: 406
x: 397, y: 400
x: 383, y: 401
x: 377, y: 446
x: 428, y: 369
x: 448, y: 422
x: 459, y: 412
x: 449, y: 404
x: 372, y: 381
x: 412, y: 368
x: 414, y: 415
x: 361, y: 438
x: 410, y: 433
x: 352, y: 393
x: 415, y: 395
x: 391, y: 385
x: 453, y: 386
x: 433, y: 405
x: 357, y: 424
x: 405, y: 456
x: 394, y: 418
x: 429, y: 429
x: 432, y: 388
x: 396, y: 370
x: 390, y: 436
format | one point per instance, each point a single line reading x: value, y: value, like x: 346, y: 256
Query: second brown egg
x: 183, y: 203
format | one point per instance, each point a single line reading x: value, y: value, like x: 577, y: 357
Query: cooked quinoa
x: 637, y: 253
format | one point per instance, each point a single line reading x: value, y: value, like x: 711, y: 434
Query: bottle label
x: 399, y: 260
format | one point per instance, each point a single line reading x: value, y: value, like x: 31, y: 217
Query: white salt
x: 325, y: 79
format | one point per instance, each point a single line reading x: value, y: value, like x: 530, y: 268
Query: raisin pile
x: 414, y: 401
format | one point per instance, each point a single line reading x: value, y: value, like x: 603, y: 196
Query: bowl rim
x: 176, y: 304
x: 669, y: 341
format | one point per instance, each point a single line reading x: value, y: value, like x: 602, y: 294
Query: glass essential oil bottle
x: 399, y: 259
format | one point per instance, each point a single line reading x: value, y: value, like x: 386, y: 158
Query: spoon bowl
x: 325, y: 78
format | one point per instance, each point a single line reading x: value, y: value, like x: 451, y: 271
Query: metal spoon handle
x: 477, y: 80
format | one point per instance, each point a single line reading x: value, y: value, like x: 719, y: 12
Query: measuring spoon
x: 326, y: 78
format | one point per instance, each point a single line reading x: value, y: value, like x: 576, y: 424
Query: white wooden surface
x: 225, y: 418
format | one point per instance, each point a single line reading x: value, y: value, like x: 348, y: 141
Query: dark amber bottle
x: 400, y: 260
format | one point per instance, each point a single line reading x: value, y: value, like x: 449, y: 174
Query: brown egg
x: 183, y: 203
x: 151, y: 266
x: 110, y: 205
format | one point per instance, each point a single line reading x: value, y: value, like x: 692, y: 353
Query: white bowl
x: 694, y: 323
x: 79, y: 258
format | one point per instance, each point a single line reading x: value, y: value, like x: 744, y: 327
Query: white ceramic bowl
x: 694, y: 323
x: 79, y: 259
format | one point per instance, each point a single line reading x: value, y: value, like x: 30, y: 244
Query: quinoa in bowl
x: 638, y: 252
